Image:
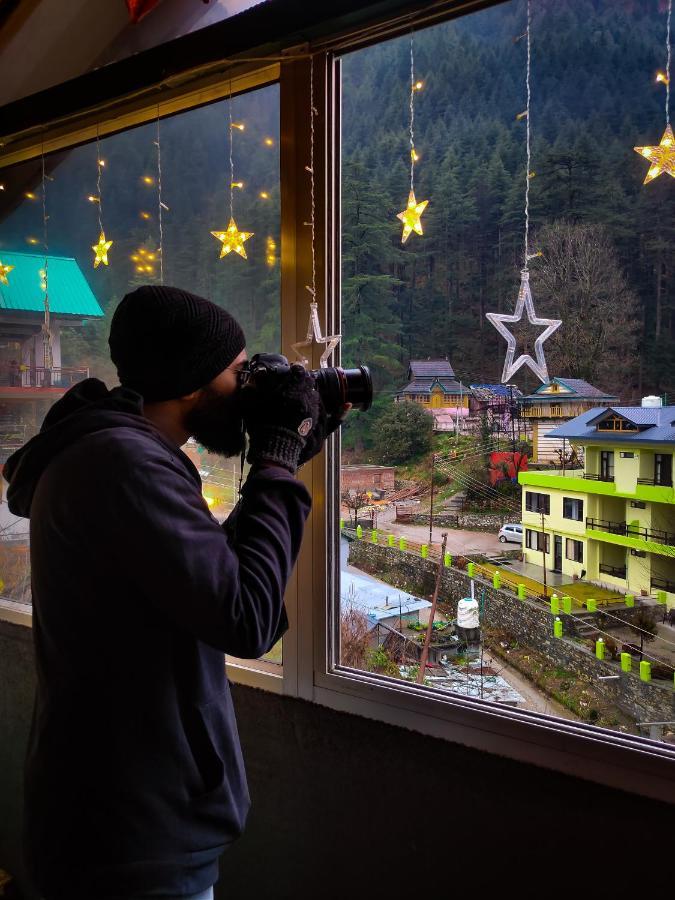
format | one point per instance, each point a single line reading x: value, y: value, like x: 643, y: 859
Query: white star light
x: 524, y: 302
x: 314, y: 334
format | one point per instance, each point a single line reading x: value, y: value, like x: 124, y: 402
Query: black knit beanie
x: 167, y: 343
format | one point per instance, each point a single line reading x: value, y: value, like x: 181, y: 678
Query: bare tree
x: 355, y: 501
x: 580, y: 281
x: 354, y: 638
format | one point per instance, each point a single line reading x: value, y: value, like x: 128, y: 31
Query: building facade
x: 432, y: 384
x: 613, y: 521
x: 367, y: 478
x: 31, y: 380
x: 551, y: 404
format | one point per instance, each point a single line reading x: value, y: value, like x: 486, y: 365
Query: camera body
x: 336, y: 386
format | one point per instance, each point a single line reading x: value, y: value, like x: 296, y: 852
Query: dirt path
x: 535, y: 699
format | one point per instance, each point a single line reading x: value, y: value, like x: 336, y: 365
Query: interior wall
x: 345, y: 807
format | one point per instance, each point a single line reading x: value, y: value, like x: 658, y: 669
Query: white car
x: 511, y: 532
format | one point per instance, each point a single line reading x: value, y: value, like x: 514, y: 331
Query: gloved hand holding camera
x: 288, y: 412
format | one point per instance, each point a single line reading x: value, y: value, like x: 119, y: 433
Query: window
x: 638, y: 504
x: 616, y: 423
x: 607, y: 465
x: 574, y: 550
x: 537, y: 540
x: 573, y: 509
x: 83, y: 298
x: 663, y: 469
x: 538, y: 503
x: 626, y: 455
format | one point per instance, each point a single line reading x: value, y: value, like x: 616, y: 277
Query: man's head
x: 182, y: 353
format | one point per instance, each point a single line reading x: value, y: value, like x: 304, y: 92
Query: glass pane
x: 559, y: 606
x: 195, y: 197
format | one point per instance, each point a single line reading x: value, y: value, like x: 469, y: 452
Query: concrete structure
x: 560, y: 400
x: 29, y: 382
x: 613, y: 520
x: 432, y: 384
x: 367, y: 478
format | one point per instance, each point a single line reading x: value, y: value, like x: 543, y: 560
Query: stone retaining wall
x: 528, y: 622
x: 474, y: 521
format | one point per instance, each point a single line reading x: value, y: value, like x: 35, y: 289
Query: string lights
x: 101, y: 248
x: 662, y: 157
x: 231, y: 238
x: 161, y: 206
x: 411, y: 215
x: 314, y: 333
x: 524, y: 303
x: 47, y: 353
x: 4, y: 272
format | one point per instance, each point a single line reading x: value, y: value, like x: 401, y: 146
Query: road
x: 459, y: 541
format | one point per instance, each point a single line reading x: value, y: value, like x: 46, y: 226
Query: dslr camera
x: 336, y: 386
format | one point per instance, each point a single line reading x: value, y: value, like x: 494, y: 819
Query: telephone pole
x: 543, y: 551
x: 431, y: 507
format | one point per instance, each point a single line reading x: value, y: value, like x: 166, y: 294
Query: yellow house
x: 551, y: 404
x: 614, y: 521
x: 432, y: 383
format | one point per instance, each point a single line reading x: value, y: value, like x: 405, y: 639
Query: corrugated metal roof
x: 490, y: 391
x: 431, y: 368
x: 580, y: 390
x: 659, y: 422
x: 424, y: 386
x: 69, y: 292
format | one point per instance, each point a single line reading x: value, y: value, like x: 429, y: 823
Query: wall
x: 367, y: 478
x: 343, y: 807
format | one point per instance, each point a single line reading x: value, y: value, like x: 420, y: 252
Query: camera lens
x: 339, y: 386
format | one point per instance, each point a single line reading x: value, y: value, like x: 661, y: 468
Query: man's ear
x: 193, y: 396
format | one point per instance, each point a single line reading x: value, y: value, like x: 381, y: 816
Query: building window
x: 574, y: 550
x: 625, y: 455
x: 663, y: 469
x: 537, y: 540
x: 573, y: 509
x: 537, y: 503
x: 638, y: 504
x: 607, y: 465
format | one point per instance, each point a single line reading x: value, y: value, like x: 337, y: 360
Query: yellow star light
x: 4, y: 272
x: 232, y: 239
x: 101, y: 251
x: 662, y: 158
x: 411, y: 216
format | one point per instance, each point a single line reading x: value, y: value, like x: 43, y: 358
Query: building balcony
x: 614, y: 571
x: 654, y: 483
x: 655, y: 535
x: 590, y: 476
x: 663, y: 584
x: 40, y: 377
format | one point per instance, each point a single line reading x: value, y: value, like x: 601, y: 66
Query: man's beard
x: 216, y: 423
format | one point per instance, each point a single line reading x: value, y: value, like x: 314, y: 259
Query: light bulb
x: 237, y: 184
x: 32, y: 240
x: 419, y: 85
x: 662, y: 78
x: 264, y: 195
x: 101, y: 162
x: 93, y: 199
x: 414, y: 155
x: 29, y: 195
x: 269, y: 142
x: 148, y: 179
x: 145, y: 215
x: 238, y: 125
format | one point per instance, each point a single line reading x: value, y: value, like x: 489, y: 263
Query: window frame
x: 579, y: 507
x: 311, y: 668
x: 577, y: 550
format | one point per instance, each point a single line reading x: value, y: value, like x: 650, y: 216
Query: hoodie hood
x: 87, y: 407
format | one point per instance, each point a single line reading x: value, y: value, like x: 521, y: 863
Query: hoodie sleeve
x: 224, y: 586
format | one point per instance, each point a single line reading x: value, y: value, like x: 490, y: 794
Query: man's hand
x: 280, y: 411
x: 327, y: 424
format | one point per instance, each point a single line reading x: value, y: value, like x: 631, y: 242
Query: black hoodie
x: 134, y: 777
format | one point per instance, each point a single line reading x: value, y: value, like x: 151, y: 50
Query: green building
x: 612, y: 522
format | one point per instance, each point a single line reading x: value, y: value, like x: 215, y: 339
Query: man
x: 134, y: 777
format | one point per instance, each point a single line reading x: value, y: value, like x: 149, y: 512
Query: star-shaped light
x: 662, y: 158
x: 232, y: 239
x: 4, y: 272
x: 101, y: 251
x: 314, y: 334
x: 411, y: 216
x: 523, y: 303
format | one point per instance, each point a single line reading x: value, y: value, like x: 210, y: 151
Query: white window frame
x: 310, y: 668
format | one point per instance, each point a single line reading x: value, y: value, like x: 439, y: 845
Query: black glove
x: 279, y: 412
x: 327, y: 424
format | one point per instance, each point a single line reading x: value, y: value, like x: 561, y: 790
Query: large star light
x: 662, y: 158
x: 314, y: 334
x: 411, y: 216
x: 4, y: 272
x: 232, y: 239
x: 101, y: 251
x: 523, y: 303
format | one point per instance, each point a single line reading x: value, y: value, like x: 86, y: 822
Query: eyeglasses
x: 242, y: 374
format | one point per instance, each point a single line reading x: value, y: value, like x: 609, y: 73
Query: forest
x: 606, y: 241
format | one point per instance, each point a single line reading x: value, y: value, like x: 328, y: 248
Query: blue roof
x: 69, y: 292
x: 377, y: 601
x: 656, y: 423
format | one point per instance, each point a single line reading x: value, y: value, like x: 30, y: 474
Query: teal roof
x: 69, y: 292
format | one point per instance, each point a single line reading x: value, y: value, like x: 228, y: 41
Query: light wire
x: 229, y: 110
x: 310, y: 169
x: 159, y: 200
x: 527, y: 136
x: 670, y: 13
x: 99, y: 195
x: 412, y: 112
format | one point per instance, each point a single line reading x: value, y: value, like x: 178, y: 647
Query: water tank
x: 652, y: 401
